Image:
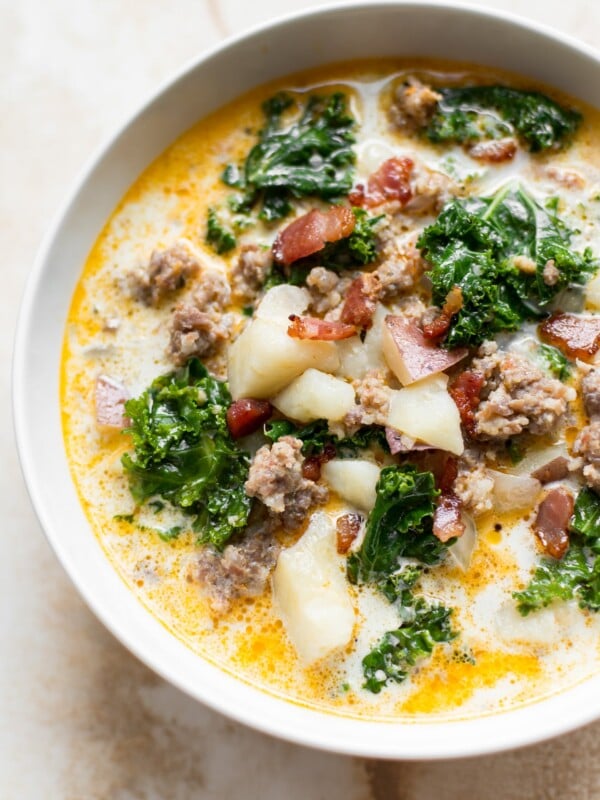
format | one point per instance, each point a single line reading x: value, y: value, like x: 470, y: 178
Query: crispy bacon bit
x: 441, y: 324
x: 465, y: 392
x: 311, y: 466
x: 311, y: 232
x: 448, y: 476
x: 110, y: 399
x: 447, y: 519
x: 347, y: 529
x: 551, y: 524
x: 576, y: 337
x: 390, y: 182
x: 319, y: 329
x: 494, y: 151
x: 554, y: 470
x: 247, y: 415
x: 359, y: 305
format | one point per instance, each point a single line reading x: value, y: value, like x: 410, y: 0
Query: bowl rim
x: 279, y: 724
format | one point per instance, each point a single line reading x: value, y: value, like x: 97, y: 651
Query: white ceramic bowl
x: 298, y: 42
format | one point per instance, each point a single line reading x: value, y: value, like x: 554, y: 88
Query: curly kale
x: 316, y: 436
x: 577, y: 574
x: 310, y: 156
x: 220, y: 238
x: 489, y: 112
x: 184, y: 453
x: 482, y: 244
x: 558, y: 364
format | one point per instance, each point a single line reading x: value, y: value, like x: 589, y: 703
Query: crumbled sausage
x: 249, y: 272
x: 241, y: 570
x: 494, y: 151
x: 327, y: 289
x: 168, y: 271
x: 373, y: 394
x: 400, y: 264
x: 587, y: 445
x: 474, y: 484
x: 516, y: 396
x: 430, y: 190
x: 276, y: 479
x: 199, y: 325
x: 414, y: 104
x: 590, y: 389
x: 550, y: 273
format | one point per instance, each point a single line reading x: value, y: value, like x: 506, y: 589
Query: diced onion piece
x: 264, y: 359
x: 512, y: 492
x: 310, y: 592
x: 462, y: 549
x: 538, y: 456
x: 425, y: 411
x: 316, y: 395
x: 353, y: 479
x: 592, y: 292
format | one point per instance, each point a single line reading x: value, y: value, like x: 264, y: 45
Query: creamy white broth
x: 500, y: 659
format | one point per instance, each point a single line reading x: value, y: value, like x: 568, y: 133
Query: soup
x: 329, y: 390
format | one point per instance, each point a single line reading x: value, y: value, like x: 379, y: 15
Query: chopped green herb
x: 171, y: 533
x: 515, y: 451
x: 248, y: 311
x: 312, y: 156
x: 184, y: 453
x: 471, y: 113
x: 220, y: 238
x: 399, y: 650
x: 124, y: 518
x: 577, y: 574
x: 476, y: 244
x: 558, y: 363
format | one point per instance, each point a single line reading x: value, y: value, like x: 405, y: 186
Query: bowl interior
x: 336, y: 34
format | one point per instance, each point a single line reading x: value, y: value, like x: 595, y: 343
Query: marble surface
x: 80, y: 718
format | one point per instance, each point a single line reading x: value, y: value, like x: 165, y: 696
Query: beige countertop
x: 80, y: 718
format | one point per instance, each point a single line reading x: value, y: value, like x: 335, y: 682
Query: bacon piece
x: 551, y: 525
x: 465, y: 392
x: 247, y: 415
x: 448, y: 476
x: 494, y: 151
x: 440, y: 325
x: 347, y: 529
x: 576, y: 337
x: 311, y: 466
x: 110, y: 397
x: 359, y: 305
x: 390, y: 182
x: 410, y: 355
x: 554, y: 470
x: 319, y: 329
x: 447, y: 519
x: 311, y: 232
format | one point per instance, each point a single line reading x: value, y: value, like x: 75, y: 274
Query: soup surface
x: 366, y: 480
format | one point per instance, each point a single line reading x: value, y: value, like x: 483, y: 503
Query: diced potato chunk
x: 425, y: 411
x: 281, y: 301
x: 356, y: 357
x: 310, y: 592
x: 264, y: 359
x: 316, y: 395
x: 353, y: 479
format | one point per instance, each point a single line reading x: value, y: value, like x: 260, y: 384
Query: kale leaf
x: 184, y: 453
x: 495, y: 249
x: 558, y: 364
x: 312, y: 156
x: 577, y: 574
x: 316, y: 436
x: 488, y: 112
x: 399, y: 650
x: 220, y: 238
x: 400, y: 525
